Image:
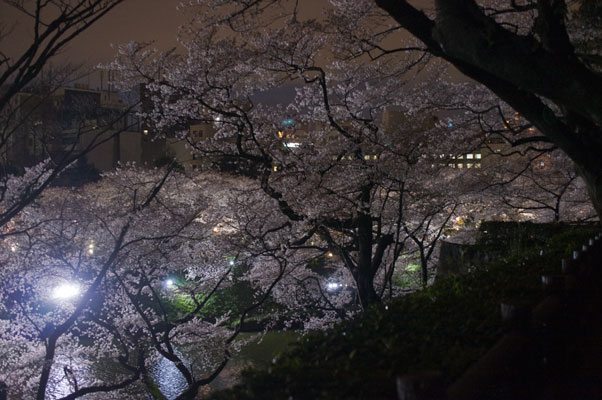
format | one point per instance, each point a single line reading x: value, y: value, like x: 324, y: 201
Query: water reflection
x: 259, y: 352
x: 68, y: 372
x: 168, y: 378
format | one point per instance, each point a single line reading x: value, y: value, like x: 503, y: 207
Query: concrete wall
x: 130, y: 148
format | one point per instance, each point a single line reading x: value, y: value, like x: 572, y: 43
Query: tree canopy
x: 540, y: 57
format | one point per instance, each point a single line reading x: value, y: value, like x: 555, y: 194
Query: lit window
x: 469, y: 165
x: 477, y: 165
x: 452, y: 165
x: 478, y: 156
x: 375, y: 157
x: 275, y: 168
x: 145, y: 131
x: 366, y: 157
x: 460, y: 157
x: 460, y: 165
x: 469, y: 156
x: 542, y: 164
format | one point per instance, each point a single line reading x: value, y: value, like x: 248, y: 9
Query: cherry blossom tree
x: 340, y: 181
x: 332, y: 189
x: 546, y: 188
x: 541, y: 58
x: 92, y: 280
x: 26, y: 91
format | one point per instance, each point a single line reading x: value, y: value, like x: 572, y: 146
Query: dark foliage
x: 445, y: 327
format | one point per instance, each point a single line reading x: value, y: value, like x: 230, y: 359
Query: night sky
x: 139, y: 20
x: 133, y: 20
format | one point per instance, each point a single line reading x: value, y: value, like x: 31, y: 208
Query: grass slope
x: 445, y: 327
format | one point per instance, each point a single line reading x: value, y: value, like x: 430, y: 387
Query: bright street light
x: 66, y: 291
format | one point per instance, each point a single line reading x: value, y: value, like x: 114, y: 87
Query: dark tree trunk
x: 557, y: 209
x: 521, y: 69
x: 365, y: 289
x: 424, y: 268
x: 364, y: 275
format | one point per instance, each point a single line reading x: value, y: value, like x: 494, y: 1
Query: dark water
x: 260, y: 352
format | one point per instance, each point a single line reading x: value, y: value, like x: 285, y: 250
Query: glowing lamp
x: 66, y: 291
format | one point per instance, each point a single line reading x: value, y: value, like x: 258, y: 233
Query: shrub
x: 444, y: 327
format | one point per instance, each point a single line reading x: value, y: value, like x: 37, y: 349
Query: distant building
x: 180, y: 147
x: 28, y: 127
x: 75, y: 119
x: 467, y: 160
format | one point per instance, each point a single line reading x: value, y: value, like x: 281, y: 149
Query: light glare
x: 66, y: 291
